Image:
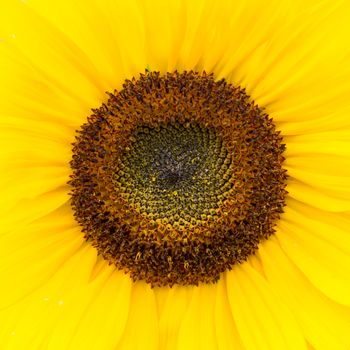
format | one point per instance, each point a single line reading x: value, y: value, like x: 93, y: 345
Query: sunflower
x: 203, y: 203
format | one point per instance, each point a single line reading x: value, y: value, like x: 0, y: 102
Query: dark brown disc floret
x: 177, y: 178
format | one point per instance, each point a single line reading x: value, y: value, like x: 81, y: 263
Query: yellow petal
x: 327, y: 173
x: 227, y: 335
x: 25, y: 183
x: 141, y: 330
x: 320, y: 164
x: 204, y: 27
x: 324, y: 323
x: 25, y: 271
x: 28, y: 168
x: 197, y: 330
x: 316, y: 197
x: 296, y: 85
x: 103, y: 323
x: 327, y: 143
x: 28, y: 210
x: 35, y: 316
x: 334, y: 120
x: 262, y: 319
x: 194, y: 318
x: 54, y: 49
x: 164, y: 25
x: 325, y: 265
x: 172, y: 305
x: 106, y: 46
x: 31, y: 253
x: 330, y: 227
x: 95, y: 314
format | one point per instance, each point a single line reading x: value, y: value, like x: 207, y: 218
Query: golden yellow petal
x: 50, y: 79
x: 333, y: 228
x: 321, y: 162
x: 94, y: 315
x: 30, y: 253
x: 28, y: 210
x: 28, y: 168
x: 107, y: 46
x: 198, y: 318
x: 316, y: 143
x: 316, y: 197
x: 308, y: 241
x: 227, y: 335
x: 172, y: 304
x: 103, y: 323
x: 334, y: 121
x: 197, y: 328
x: 262, y: 319
x: 37, y: 314
x: 296, y: 86
x: 325, y: 323
x: 141, y: 329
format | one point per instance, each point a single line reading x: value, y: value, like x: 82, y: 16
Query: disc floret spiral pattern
x: 177, y: 177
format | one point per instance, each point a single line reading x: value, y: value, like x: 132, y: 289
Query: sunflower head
x: 177, y: 177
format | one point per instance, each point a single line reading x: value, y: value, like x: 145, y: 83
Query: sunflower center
x: 173, y: 173
x: 177, y: 178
